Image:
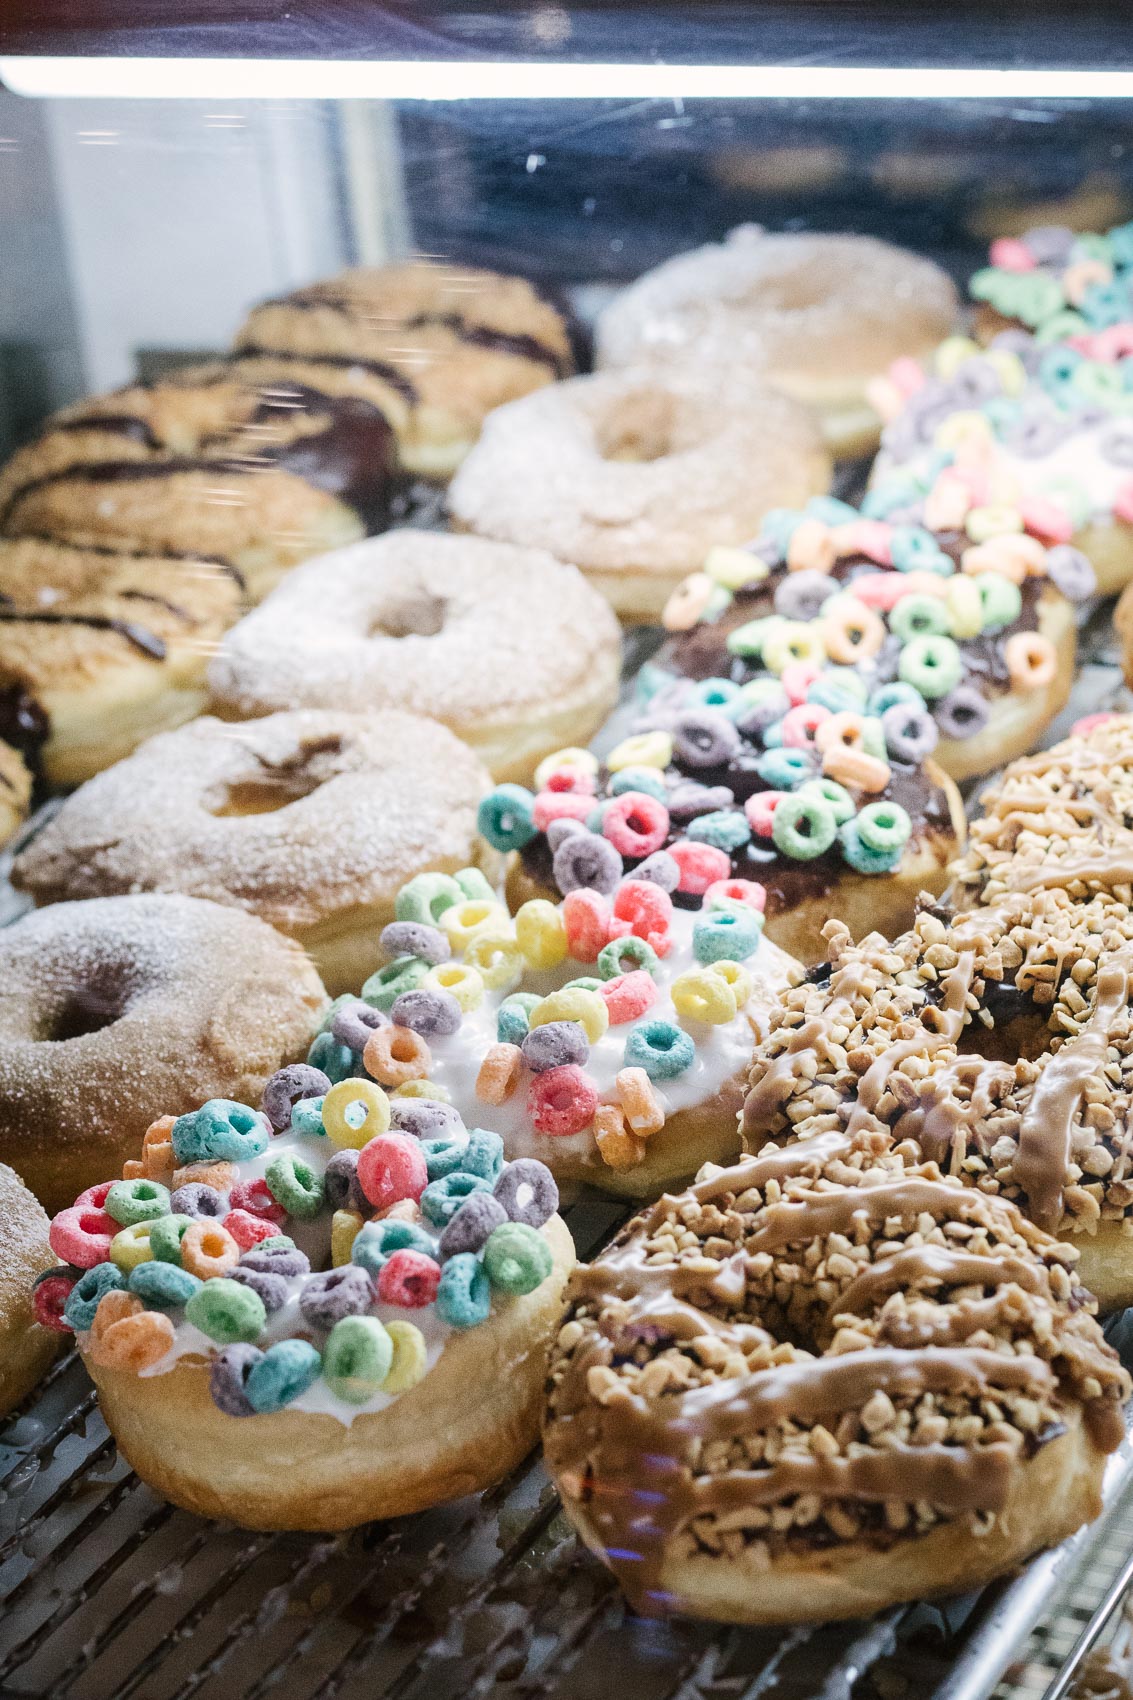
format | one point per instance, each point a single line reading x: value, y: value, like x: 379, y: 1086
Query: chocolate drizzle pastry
x: 820, y: 1355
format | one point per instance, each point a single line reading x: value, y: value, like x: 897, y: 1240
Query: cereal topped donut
x: 607, y: 1035
x: 634, y: 476
x: 115, y: 1010
x: 375, y: 1306
x: 1040, y: 431
x: 311, y: 820
x: 1000, y: 1041
x: 1056, y: 282
x: 448, y: 342
x: 817, y: 316
x: 824, y: 1380
x: 98, y: 650
x: 508, y: 647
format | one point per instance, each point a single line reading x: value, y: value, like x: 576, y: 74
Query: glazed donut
x: 508, y: 647
x: 823, y: 1381
x: 607, y: 1035
x: 114, y: 1010
x: 817, y: 316
x: 1000, y: 1040
x: 15, y: 791
x: 26, y: 1347
x: 255, y: 477
x: 311, y: 820
x: 1123, y: 625
x: 1038, y: 430
x: 1055, y: 282
x: 446, y: 343
x: 377, y: 1308
x: 634, y: 476
x: 97, y: 650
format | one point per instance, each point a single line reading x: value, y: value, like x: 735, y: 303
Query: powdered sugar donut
x: 510, y: 648
x: 818, y: 316
x: 635, y: 475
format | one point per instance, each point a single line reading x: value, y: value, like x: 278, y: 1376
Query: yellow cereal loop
x: 952, y: 353
x: 424, y: 1089
x: 574, y: 1003
x: 733, y: 568
x: 984, y: 523
x: 540, y: 932
x: 794, y: 640
x: 644, y: 749
x: 1012, y: 373
x: 582, y: 761
x: 465, y: 984
x: 344, y: 1227
x: 131, y: 1246
x: 735, y: 976
x: 462, y: 921
x: 965, y: 606
x: 962, y: 429
x: 410, y: 1357
x: 496, y: 955
x: 701, y: 995
x: 354, y: 1112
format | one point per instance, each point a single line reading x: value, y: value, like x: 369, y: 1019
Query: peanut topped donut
x: 115, y: 1010
x: 1000, y: 1041
x: 449, y: 343
x: 98, y: 650
x: 824, y: 1380
x: 817, y: 316
x: 634, y: 476
x: 311, y: 820
x: 1056, y: 282
x: 508, y: 647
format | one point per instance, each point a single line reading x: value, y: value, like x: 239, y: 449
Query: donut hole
x: 84, y: 1010
x: 418, y: 614
x: 642, y: 427
x: 265, y: 795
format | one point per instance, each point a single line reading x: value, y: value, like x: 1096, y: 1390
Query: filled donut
x: 635, y: 475
x: 1056, y: 283
x: 306, y: 1316
x: 825, y: 1380
x: 434, y: 346
x: 311, y: 820
x: 508, y: 647
x: 15, y: 791
x: 114, y: 1011
x: 817, y: 316
x: 28, y: 1341
x: 98, y: 650
x: 1000, y: 1041
x: 608, y: 1035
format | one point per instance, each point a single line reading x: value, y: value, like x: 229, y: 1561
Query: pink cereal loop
x: 571, y: 778
x: 1011, y: 255
x: 94, y: 1198
x: 82, y: 1236
x: 635, y: 824
x: 970, y: 469
x: 880, y: 590
x: 647, y: 912
x: 586, y: 917
x: 700, y: 865
x: 1046, y: 519
x: 854, y: 767
x: 871, y: 538
x: 1123, y: 503
x: 1113, y: 343
x: 1090, y: 722
x: 559, y: 805
x: 759, y: 810
x: 628, y: 996
x: 797, y: 677
x: 906, y: 373
x: 799, y: 725
x: 748, y: 892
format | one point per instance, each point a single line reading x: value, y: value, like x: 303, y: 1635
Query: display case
x: 159, y: 178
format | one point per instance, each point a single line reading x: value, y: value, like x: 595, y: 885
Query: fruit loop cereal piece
x: 295, y: 1185
x: 562, y: 1101
x: 703, y: 995
x: 640, y: 1104
x: 50, y: 1295
x: 499, y: 1073
x: 219, y: 1131
x: 628, y: 996
x: 81, y: 1235
x: 618, y: 1148
x: 353, y: 1112
x: 394, y: 1055
x: 390, y: 1168
x: 207, y: 1249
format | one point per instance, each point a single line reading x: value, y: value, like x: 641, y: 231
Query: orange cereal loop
x: 854, y: 767
x: 113, y: 1307
x: 499, y: 1073
x: 405, y: 1210
x: 811, y: 548
x: 852, y: 632
x: 157, y: 1149
x: 687, y: 603
x: 133, y: 1170
x: 136, y: 1342
x: 845, y: 729
x: 395, y: 1054
x: 617, y: 1147
x: 207, y: 1249
x: 640, y: 1103
x: 219, y: 1174
x: 1032, y: 661
x: 1000, y: 555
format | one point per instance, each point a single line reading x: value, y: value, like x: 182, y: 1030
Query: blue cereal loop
x: 715, y: 693
x: 442, y: 1198
x: 661, y: 1048
x: 513, y: 1017
x: 285, y: 1371
x: 724, y: 829
x: 162, y: 1286
x: 337, y: 1062
x: 782, y: 770
x: 376, y: 1242
x: 483, y: 1155
x: 647, y: 779
x: 505, y: 817
x: 307, y: 1116
x: 220, y: 1131
x: 862, y: 859
x: 464, y: 1295
x: 727, y: 935
x: 915, y: 550
x: 887, y: 696
x: 831, y: 510
x: 85, y: 1296
x: 779, y: 525
x: 443, y: 1155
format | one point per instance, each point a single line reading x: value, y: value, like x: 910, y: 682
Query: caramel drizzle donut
x: 826, y: 1345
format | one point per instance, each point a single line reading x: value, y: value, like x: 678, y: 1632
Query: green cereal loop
x: 130, y: 1202
x: 475, y: 886
x: 1040, y: 295
x: 932, y: 665
x: 613, y: 957
x: 426, y: 897
x: 283, y: 1240
x: 403, y: 974
x: 1000, y: 600
x: 1095, y: 245
x: 165, y: 1236
x: 873, y: 738
x: 748, y: 640
x: 1098, y: 383
x: 884, y: 826
x: 295, y: 1185
x: 517, y: 1258
x: 584, y: 983
x: 226, y: 1311
x: 357, y: 1358
x: 803, y: 827
x: 841, y: 803
x: 1059, y: 326
x: 920, y: 616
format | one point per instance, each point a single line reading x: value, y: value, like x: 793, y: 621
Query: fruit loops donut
x: 1000, y: 1040
x: 436, y: 347
x: 15, y: 791
x: 825, y: 1380
x: 971, y: 633
x: 26, y: 1345
x: 1037, y: 433
x: 113, y: 1010
x: 510, y: 648
x: 634, y: 476
x: 1056, y: 283
x: 817, y: 316
x: 375, y: 1307
x: 607, y: 1035
x: 303, y: 819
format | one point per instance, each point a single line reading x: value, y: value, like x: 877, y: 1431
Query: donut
x: 924, y: 605
x: 448, y: 342
x: 825, y: 1380
x: 1033, y: 428
x: 336, y: 1325
x: 1056, y: 283
x: 1000, y: 1040
x: 1123, y: 625
x: 607, y: 1035
x: 508, y: 647
x: 117, y: 1010
x: 817, y: 316
x: 28, y: 1340
x: 15, y: 791
x: 99, y: 650
x: 635, y: 475
x: 311, y: 820
x: 255, y: 477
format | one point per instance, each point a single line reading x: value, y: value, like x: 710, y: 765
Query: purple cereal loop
x: 276, y: 1260
x: 659, y: 869
x: 910, y: 733
x: 354, y: 1023
x: 340, y: 1179
x: 527, y: 1174
x: 423, y: 1118
x: 976, y: 381
x: 962, y: 713
x: 1116, y: 443
x: 801, y: 595
x: 477, y: 1217
x: 428, y: 1011
x: 586, y: 861
x: 1049, y: 244
x: 557, y: 830
x: 272, y: 1289
x: 556, y: 1044
x: 227, y: 1374
x: 1023, y: 345
x: 195, y: 1199
x: 763, y: 714
x: 413, y: 938
x: 286, y: 1087
x: 704, y: 738
x: 690, y: 798
x: 1071, y: 572
x: 1036, y: 435
x: 336, y: 1293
